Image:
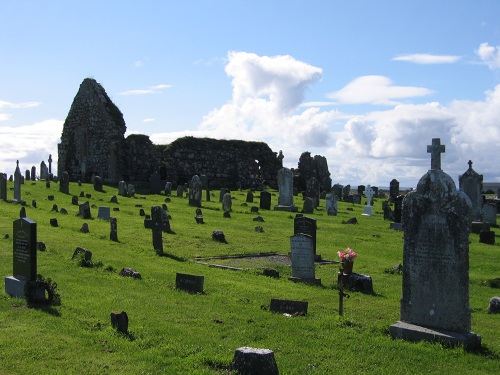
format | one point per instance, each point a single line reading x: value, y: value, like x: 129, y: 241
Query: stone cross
x: 369, y: 192
x: 470, y: 164
x: 436, y: 149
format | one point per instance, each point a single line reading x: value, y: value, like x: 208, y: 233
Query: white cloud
x: 149, y: 120
x: 490, y: 55
x: 422, y: 58
x: 30, y: 145
x: 150, y: 90
x: 4, y: 104
x: 377, y: 90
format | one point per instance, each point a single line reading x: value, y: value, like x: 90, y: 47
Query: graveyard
x: 172, y: 330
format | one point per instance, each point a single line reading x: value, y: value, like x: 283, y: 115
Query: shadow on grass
x: 171, y: 256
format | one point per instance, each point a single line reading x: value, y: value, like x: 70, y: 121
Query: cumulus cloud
x: 375, y: 89
x: 5, y: 104
x: 149, y: 120
x: 149, y: 90
x: 422, y: 58
x: 29, y: 144
x: 490, y: 55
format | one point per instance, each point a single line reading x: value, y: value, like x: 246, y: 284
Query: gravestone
x: 302, y: 255
x: 337, y: 190
x: 291, y: 307
x: 24, y: 257
x: 155, y: 183
x: 254, y: 361
x: 312, y: 190
x: 368, y: 209
x: 156, y: 228
x: 361, y: 189
x: 104, y: 213
x: 119, y: 321
x: 346, y: 192
x: 227, y: 203
x: 285, y: 185
x: 308, y: 207
x: 398, y: 212
x: 130, y: 190
x: 122, y: 188
x: 189, y: 283
x: 22, y: 212
x: 3, y: 186
x: 471, y: 183
x: 195, y: 191
x: 27, y: 175
x: 74, y: 200
x: 265, y: 200
x: 17, y: 183
x: 33, y: 173
x: 331, y: 204
x: 168, y: 188
x: 180, y: 191
x: 223, y: 192
x: 50, y: 164
x: 113, y: 231
x: 64, y: 183
x: 97, y: 183
x: 393, y: 189
x: 84, y: 228
x: 306, y: 225
x: 249, y: 197
x: 435, y: 297
x: 44, y: 171
x: 490, y: 214
x: 84, y: 210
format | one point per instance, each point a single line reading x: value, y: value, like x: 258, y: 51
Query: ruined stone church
x: 93, y: 143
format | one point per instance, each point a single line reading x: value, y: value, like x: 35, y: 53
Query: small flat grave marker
x: 289, y: 306
x: 189, y: 283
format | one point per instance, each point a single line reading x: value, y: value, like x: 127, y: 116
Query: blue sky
x: 367, y: 84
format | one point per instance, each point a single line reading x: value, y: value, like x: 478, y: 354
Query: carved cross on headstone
x: 436, y: 149
x: 369, y: 192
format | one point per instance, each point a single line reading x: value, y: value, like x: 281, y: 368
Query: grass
x: 174, y: 332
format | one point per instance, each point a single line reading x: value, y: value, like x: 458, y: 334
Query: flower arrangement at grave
x: 347, y: 259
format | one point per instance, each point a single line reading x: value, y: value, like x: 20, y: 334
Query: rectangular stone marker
x: 189, y: 283
x: 156, y: 228
x: 104, y: 213
x: 3, y: 186
x: 25, y: 249
x: 302, y: 255
x: 265, y: 200
x: 306, y: 225
x: 288, y: 306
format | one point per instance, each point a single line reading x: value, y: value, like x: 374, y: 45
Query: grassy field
x: 174, y: 332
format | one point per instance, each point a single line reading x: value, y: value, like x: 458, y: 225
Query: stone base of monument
x: 286, y: 208
x: 368, y: 211
x: 396, y: 226
x: 14, y: 287
x: 412, y: 332
x: 254, y: 361
x: 305, y: 280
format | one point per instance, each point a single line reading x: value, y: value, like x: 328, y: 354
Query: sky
x: 366, y: 84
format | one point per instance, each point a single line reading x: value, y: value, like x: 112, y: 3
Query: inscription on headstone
x: 189, y: 283
x: 25, y: 238
x: 302, y: 255
x: 283, y: 306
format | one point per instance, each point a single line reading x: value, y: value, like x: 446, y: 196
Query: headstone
x: 156, y: 228
x: 50, y: 164
x: 308, y: 207
x: 33, y: 203
x: 97, y: 183
x: 222, y: 192
x: 122, y: 188
x: 435, y: 298
x: 22, y: 212
x: 44, y: 171
x: 168, y: 188
x: 33, y: 173
x: 84, y: 228
x: 130, y: 190
x: 27, y: 175
x: 471, y: 183
x: 113, y: 231
x: 302, y: 255
x: 3, y: 186
x: 312, y: 190
x: 361, y: 189
x: 155, y: 183
x: 74, y: 200
x: 265, y: 200
x: 346, y: 192
x: 306, y: 225
x: 249, y: 197
x: 17, y: 183
x: 398, y: 212
x: 227, y: 203
x: 393, y: 189
x: 337, y: 190
x: 254, y: 361
x: 54, y: 223
x: 368, y: 208
x: 291, y: 307
x: 104, y: 213
x: 487, y: 237
x: 219, y: 236
x: 490, y: 214
x: 180, y: 191
x: 494, y: 306
x: 331, y: 204
x: 285, y: 185
x: 84, y: 210
x: 119, y: 321
x: 195, y: 192
x: 24, y: 257
x: 130, y: 272
x: 189, y: 283
x: 64, y: 183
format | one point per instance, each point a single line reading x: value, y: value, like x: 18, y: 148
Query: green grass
x: 174, y: 332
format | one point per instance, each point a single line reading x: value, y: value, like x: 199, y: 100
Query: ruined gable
x: 92, y: 141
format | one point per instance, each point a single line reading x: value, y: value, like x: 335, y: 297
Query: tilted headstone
x: 265, y: 200
x: 64, y: 183
x: 471, y: 183
x: 435, y: 298
x: 195, y: 191
x: 17, y: 183
x: 302, y: 255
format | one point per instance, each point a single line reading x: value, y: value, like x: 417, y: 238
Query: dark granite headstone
x: 249, y: 197
x: 156, y: 228
x: 265, y: 200
x: 288, y: 306
x: 64, y: 183
x: 84, y: 210
x: 119, y: 321
x: 3, y: 186
x: 24, y: 243
x: 155, y: 183
x: 113, y: 231
x: 305, y: 225
x: 189, y: 283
